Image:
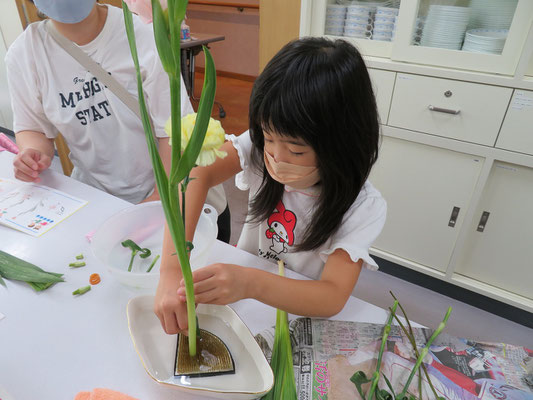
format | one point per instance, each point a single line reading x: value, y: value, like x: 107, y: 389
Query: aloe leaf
x: 190, y: 155
x: 2, y: 282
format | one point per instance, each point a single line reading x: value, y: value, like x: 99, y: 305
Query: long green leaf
x: 176, y: 14
x: 188, y: 159
x: 281, y: 362
x: 162, y: 38
x: 159, y: 170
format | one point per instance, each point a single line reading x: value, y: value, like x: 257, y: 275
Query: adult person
x: 51, y: 92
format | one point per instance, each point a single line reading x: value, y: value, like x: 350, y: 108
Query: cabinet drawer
x: 383, y: 84
x: 517, y: 129
x: 459, y: 110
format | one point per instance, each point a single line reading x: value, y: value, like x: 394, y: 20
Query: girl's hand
x: 218, y: 284
x: 169, y: 308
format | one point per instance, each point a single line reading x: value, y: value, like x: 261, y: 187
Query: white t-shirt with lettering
x: 51, y: 93
x: 276, y: 238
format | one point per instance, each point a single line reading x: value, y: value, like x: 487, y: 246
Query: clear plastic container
x: 144, y: 224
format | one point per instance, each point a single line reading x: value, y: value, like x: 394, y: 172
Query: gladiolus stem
x: 425, y: 351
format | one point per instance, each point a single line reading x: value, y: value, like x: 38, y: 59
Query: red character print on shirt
x: 281, y: 226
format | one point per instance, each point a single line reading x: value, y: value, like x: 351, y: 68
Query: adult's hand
x: 29, y: 163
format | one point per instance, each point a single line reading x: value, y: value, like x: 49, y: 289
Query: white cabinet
x: 456, y: 108
x: 383, y: 85
x: 517, y: 130
x: 427, y: 190
x: 499, y: 247
x: 460, y: 110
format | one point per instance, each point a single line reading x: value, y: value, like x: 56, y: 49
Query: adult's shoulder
x: 25, y: 43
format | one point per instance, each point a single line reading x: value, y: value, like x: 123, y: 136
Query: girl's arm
x: 227, y: 283
x: 168, y: 307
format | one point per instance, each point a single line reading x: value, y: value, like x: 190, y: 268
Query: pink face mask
x: 296, y: 176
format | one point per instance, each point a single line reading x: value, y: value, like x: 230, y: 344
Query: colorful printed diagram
x: 34, y: 209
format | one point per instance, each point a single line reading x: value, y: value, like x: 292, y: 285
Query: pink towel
x: 103, y: 394
x: 7, y: 144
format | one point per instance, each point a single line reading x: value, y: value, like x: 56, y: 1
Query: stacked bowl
x: 445, y: 27
x: 384, y: 23
x: 335, y: 17
x: 358, y: 21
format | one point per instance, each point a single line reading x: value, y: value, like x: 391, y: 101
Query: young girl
x: 313, y: 138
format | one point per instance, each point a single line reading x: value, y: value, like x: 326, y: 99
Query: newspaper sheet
x: 327, y: 353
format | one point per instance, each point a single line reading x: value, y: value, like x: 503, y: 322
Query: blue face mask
x: 65, y: 11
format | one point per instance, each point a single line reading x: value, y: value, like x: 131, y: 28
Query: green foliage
x: 281, y: 362
x: 359, y: 378
x: 167, y: 27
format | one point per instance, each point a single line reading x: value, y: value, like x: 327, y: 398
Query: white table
x: 54, y: 345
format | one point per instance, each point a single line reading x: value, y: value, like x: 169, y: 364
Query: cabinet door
x: 517, y: 129
x: 383, y: 85
x: 479, y: 35
x: 427, y: 190
x: 370, y: 27
x: 499, y: 249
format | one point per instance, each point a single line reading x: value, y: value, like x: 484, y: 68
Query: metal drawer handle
x: 444, y: 110
x: 483, y: 221
x: 453, y: 217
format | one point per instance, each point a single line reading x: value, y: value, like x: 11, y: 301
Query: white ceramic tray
x: 253, y: 376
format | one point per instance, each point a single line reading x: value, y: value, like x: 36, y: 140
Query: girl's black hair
x: 318, y: 90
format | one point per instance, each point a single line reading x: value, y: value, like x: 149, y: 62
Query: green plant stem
x: 410, y: 336
x: 153, y: 263
x: 82, y: 290
x: 175, y: 120
x: 79, y: 257
x: 386, y: 331
x: 133, y: 253
x: 425, y: 351
x: 77, y: 264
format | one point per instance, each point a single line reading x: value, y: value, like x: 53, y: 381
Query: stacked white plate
x: 489, y: 41
x: 491, y: 14
x: 335, y: 17
x: 445, y: 27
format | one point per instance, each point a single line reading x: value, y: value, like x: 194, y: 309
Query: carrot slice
x: 94, y: 279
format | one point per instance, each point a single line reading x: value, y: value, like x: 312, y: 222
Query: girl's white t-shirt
x: 277, y: 237
x: 51, y: 93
